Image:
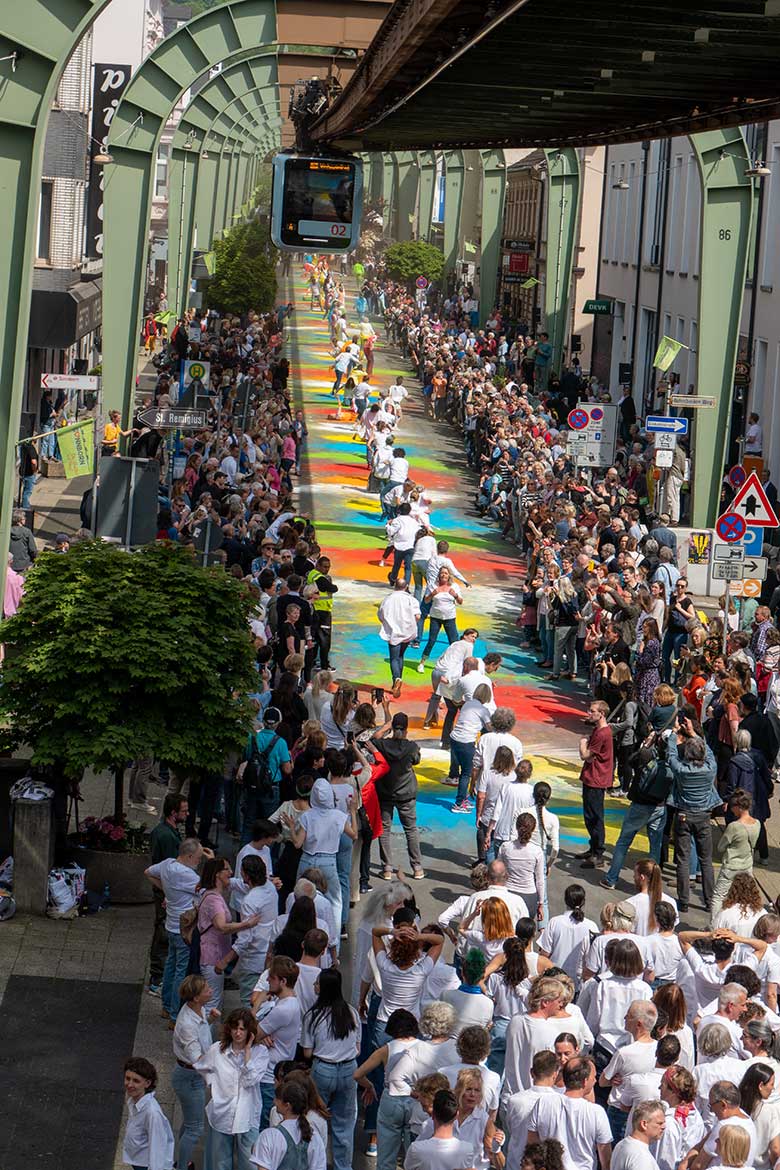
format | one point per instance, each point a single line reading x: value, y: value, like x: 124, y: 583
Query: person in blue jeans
x: 651, y: 817
x: 443, y: 599
x: 259, y: 803
x: 178, y: 879
x: 330, y: 1036
x: 319, y: 834
x: 191, y: 1041
x: 473, y: 718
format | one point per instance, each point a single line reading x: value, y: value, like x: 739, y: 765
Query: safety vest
x: 324, y: 602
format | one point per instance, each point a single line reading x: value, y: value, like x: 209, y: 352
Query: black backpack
x: 258, y: 776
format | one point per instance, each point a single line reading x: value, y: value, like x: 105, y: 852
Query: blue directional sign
x: 666, y: 424
x: 753, y: 542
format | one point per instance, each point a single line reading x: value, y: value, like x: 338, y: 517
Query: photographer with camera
x: 693, y: 796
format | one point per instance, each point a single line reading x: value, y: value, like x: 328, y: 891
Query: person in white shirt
x: 279, y: 1020
x: 684, y: 1126
x: 473, y: 1045
x: 294, y: 1142
x: 399, y: 468
x: 438, y: 1024
x: 566, y: 937
x: 492, y: 780
x: 442, y: 599
x: 443, y: 1151
x: 397, y: 393
x: 398, y: 617
x: 251, y: 947
x: 732, y: 999
x: 515, y: 798
x: 617, y: 922
x: 233, y: 1069
x: 448, y: 667
x: 572, y: 1119
x: 178, y: 880
x: 519, y: 1107
x: 633, y: 1152
x: 524, y: 862
x: 604, y: 1002
x: 496, y: 888
x: 531, y: 1033
x: 191, y: 1040
x: 664, y: 953
x: 401, y: 534
x: 424, y: 549
x: 754, y: 438
x: 148, y: 1141
x: 330, y: 1036
x: 648, y: 883
x: 715, y: 1065
x: 473, y: 718
x: 638, y: 1056
x: 726, y: 1106
x: 470, y: 1004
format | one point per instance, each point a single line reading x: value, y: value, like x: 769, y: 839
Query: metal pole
x: 131, y: 495
x: 726, y: 617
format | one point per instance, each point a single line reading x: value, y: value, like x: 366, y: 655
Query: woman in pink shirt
x: 289, y: 456
x: 215, y: 925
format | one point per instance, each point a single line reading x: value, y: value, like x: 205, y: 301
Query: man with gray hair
x: 667, y: 573
x: 638, y: 1056
x: 178, y: 879
x: 22, y: 545
x: 498, y: 878
x: 732, y: 999
x: 633, y: 1153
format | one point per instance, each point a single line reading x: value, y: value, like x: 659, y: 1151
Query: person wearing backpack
x: 293, y: 1145
x: 267, y: 760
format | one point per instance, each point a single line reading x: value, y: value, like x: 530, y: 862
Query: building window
x: 44, y: 220
x: 161, y: 172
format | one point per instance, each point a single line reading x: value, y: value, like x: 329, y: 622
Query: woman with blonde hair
x: 733, y: 1149
x: 316, y: 696
x: 618, y: 921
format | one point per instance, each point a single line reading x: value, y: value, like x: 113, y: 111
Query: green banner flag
x: 530, y: 282
x: 210, y: 260
x: 469, y: 248
x: 667, y: 351
x: 77, y: 448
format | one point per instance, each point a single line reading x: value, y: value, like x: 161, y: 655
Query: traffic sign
x: 197, y: 371
x: 737, y: 476
x: 747, y: 588
x: 664, y: 442
x: 753, y: 542
x: 752, y: 504
x: 185, y: 420
x: 664, y: 458
x: 666, y: 424
x: 694, y: 401
x: 69, y: 382
x: 755, y: 567
x: 596, y: 414
x: 727, y: 571
x: 421, y: 282
x: 728, y: 552
x: 730, y: 526
x: 578, y: 419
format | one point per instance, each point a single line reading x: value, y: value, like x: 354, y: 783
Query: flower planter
x: 124, y: 873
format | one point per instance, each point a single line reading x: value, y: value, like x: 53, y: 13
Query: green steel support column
x: 728, y: 204
x: 184, y: 56
x: 564, y: 191
x: 493, y: 191
x: 427, y: 192
x: 377, y: 175
x: 453, y: 204
x: 182, y: 185
x: 389, y: 193
x: 408, y: 174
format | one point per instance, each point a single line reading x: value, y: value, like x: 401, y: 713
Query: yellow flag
x: 77, y: 448
x: 667, y: 351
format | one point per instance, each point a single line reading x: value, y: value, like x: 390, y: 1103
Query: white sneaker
x: 421, y: 668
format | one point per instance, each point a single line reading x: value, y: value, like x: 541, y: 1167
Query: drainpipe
x: 596, y: 331
x: 639, y: 247
x: 666, y: 146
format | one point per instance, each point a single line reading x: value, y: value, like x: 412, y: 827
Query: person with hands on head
x: 233, y: 1068
x: 403, y: 965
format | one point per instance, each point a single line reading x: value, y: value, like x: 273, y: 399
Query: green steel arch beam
x: 493, y: 190
x: 389, y: 193
x: 229, y: 91
x: 192, y: 186
x: 564, y: 192
x: 375, y: 188
x: 172, y: 68
x: 427, y: 192
x: 455, y: 171
x: 407, y: 174
x: 728, y: 208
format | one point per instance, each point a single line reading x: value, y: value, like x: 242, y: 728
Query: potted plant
x: 113, y: 656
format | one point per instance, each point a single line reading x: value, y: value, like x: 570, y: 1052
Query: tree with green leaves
x: 114, y: 656
x: 414, y: 258
x: 244, y: 271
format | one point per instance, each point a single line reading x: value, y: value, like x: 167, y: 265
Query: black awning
x: 58, y: 318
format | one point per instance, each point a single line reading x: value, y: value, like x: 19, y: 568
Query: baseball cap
x: 272, y: 715
x: 400, y: 721
x: 61, y: 538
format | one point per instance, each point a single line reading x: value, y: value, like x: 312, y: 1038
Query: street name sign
x: 666, y: 424
x: 69, y: 382
x: 172, y: 416
x: 694, y: 401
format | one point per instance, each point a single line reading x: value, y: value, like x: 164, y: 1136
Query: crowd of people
x: 507, y: 1030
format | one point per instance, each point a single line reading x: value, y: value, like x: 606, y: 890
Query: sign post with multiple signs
x: 593, y: 433
x: 742, y: 527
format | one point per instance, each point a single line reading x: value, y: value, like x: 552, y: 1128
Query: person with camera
x: 693, y: 796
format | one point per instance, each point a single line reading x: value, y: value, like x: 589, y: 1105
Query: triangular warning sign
x: 751, y: 503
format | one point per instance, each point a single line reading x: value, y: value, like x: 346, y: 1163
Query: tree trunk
x: 119, y: 793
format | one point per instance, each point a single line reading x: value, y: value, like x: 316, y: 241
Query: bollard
x: 33, y: 853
